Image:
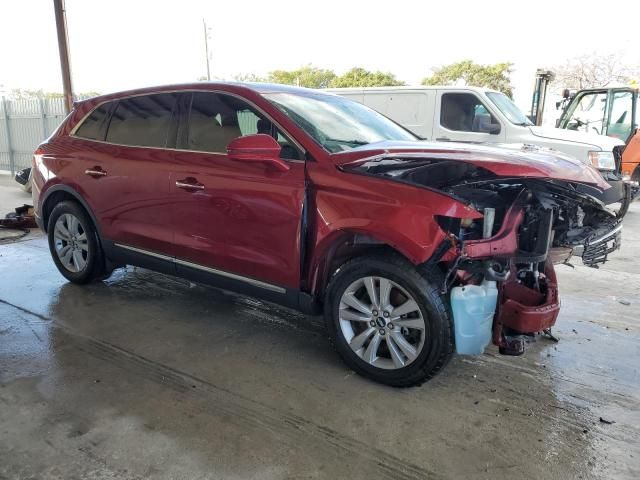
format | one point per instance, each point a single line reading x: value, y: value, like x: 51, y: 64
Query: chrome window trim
x: 73, y: 131
x: 222, y: 273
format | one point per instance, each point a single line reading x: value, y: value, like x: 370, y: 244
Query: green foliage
x: 307, y: 76
x: 496, y: 76
x: 359, y: 77
x: 249, y: 77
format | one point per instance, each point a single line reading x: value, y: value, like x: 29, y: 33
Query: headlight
x: 602, y: 160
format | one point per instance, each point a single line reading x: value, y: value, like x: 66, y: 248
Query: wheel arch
x: 343, y: 245
x: 61, y: 193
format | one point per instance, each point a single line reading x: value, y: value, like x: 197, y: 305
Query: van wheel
x: 388, y: 321
x: 74, y: 245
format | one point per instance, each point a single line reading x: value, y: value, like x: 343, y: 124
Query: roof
x: 414, y: 88
x: 260, y: 88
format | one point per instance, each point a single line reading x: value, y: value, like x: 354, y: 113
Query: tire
x: 431, y: 348
x: 86, y: 262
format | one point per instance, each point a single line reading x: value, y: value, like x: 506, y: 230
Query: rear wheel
x: 74, y: 244
x: 388, y: 321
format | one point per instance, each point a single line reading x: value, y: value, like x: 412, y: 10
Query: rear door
x: 235, y: 219
x: 121, y: 155
x: 463, y: 117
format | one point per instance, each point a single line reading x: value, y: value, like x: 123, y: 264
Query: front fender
x: 395, y: 214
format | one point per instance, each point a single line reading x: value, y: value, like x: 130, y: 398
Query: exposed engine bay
x: 528, y: 224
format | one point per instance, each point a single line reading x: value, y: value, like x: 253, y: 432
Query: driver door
x: 463, y: 117
x: 235, y: 219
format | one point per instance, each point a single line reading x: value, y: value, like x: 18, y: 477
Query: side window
x: 93, y: 126
x: 464, y: 112
x: 620, y: 118
x: 248, y: 122
x: 144, y: 121
x: 588, y: 113
x: 216, y: 119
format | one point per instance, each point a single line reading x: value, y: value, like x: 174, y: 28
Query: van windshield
x: 338, y: 123
x: 509, y: 109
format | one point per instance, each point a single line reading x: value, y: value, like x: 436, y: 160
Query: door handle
x: 443, y: 139
x: 95, y: 172
x: 189, y: 183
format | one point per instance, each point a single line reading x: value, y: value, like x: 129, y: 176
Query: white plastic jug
x: 473, y: 309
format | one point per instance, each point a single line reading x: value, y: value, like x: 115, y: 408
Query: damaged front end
x: 528, y: 225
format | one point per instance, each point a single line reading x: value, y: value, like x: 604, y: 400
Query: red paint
x: 505, y: 162
x: 258, y: 148
x: 241, y: 211
x: 525, y: 310
x: 503, y: 243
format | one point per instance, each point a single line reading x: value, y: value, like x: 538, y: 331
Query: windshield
x: 509, y: 109
x: 337, y: 123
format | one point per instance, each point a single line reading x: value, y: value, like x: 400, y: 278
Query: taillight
x: 37, y: 158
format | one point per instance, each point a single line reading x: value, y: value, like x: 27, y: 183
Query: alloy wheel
x: 382, y: 323
x: 71, y: 244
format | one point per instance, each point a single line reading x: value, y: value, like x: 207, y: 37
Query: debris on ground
x: 23, y: 217
x: 550, y: 336
x: 624, y: 302
x: 606, y: 422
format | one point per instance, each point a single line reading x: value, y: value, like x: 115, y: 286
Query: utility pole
x: 63, y: 48
x: 206, y: 47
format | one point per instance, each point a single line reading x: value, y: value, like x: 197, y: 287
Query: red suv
x: 318, y: 203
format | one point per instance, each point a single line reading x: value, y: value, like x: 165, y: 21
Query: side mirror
x: 485, y: 125
x: 494, y: 128
x: 257, y: 148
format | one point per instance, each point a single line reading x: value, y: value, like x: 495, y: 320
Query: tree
x: 248, y: 77
x: 496, y: 76
x: 359, y: 77
x: 593, y: 71
x: 307, y: 76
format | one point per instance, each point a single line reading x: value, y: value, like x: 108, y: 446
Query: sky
x: 119, y: 44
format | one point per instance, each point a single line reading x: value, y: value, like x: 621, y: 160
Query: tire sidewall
x: 93, y: 255
x: 432, y: 308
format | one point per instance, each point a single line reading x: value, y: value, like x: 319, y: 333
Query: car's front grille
x: 598, y: 248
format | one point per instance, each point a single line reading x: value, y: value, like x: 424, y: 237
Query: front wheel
x: 388, y: 321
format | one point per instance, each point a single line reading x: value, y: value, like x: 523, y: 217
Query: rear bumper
x: 39, y: 222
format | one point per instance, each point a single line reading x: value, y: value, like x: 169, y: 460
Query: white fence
x: 24, y: 124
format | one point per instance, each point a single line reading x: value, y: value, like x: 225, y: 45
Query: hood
x: 591, y: 139
x: 519, y: 161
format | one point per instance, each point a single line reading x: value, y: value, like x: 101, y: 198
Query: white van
x: 472, y: 114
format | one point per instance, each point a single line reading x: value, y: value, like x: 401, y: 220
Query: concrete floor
x: 147, y: 376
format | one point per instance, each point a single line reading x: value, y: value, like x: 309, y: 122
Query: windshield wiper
x: 351, y: 142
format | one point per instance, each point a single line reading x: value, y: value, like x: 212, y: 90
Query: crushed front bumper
x: 596, y: 249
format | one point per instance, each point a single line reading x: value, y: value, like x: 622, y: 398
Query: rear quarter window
x: 93, y: 127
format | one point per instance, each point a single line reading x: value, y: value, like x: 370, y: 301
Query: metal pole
x: 43, y: 117
x: 7, y: 134
x: 206, y: 48
x: 63, y: 48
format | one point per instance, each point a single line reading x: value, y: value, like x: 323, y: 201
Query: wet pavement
x: 147, y: 376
